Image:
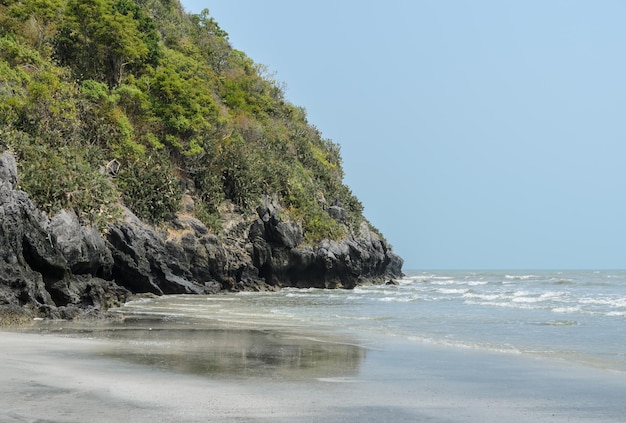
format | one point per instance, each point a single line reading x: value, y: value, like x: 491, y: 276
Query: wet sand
x: 170, y: 373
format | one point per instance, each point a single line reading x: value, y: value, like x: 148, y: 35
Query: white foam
x: 453, y: 290
x: 552, y: 294
x: 486, y: 297
x: 477, y: 283
x: 396, y: 299
x: 446, y: 282
x: 566, y: 309
x: 209, y: 298
x: 527, y: 299
x: 611, y: 302
x: 520, y: 277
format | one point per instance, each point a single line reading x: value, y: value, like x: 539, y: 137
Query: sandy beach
x: 174, y: 374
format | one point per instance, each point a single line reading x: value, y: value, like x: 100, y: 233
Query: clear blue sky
x: 478, y: 134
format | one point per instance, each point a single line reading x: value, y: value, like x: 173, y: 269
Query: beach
x: 167, y: 372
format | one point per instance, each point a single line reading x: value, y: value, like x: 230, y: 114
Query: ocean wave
x: 363, y: 318
x: 526, y: 297
x: 397, y: 299
x: 527, y: 300
x: 446, y: 282
x: 465, y: 344
x: 139, y: 302
x: 557, y: 323
x: 553, y: 294
x: 566, y: 310
x: 453, y: 290
x: 520, y: 277
x: 502, y: 304
x: 409, y: 281
x: 486, y: 297
x: 477, y: 283
x: 220, y: 299
x: 611, y: 302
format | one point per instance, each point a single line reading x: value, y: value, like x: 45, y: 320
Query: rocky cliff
x: 56, y: 268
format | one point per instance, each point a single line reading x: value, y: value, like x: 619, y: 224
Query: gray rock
x: 333, y: 264
x: 84, y: 249
x: 287, y: 234
x: 338, y: 213
x: 8, y: 170
x: 60, y: 268
x: 147, y: 260
x: 35, y: 275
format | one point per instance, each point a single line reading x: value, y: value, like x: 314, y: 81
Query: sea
x: 572, y: 316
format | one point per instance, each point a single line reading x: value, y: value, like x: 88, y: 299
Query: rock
x: 13, y: 315
x: 287, y: 234
x: 35, y: 274
x: 338, y: 213
x: 29, y: 264
x: 8, y: 171
x: 59, y: 268
x: 333, y: 264
x: 84, y: 249
x: 146, y: 260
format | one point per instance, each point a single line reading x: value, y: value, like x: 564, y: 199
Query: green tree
x: 38, y: 18
x: 100, y: 39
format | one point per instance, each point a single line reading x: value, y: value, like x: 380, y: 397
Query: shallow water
x: 572, y: 316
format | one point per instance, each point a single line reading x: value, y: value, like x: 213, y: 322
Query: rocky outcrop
x: 59, y: 268
x: 38, y: 275
x: 283, y: 261
x: 147, y: 260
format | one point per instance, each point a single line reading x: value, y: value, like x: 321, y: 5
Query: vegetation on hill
x: 136, y: 102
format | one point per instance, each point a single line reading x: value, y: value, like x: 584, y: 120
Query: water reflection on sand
x: 218, y: 352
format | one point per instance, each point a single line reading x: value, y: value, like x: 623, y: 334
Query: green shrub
x: 65, y: 178
x: 150, y: 188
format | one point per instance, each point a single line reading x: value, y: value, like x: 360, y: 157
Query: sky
x: 477, y: 134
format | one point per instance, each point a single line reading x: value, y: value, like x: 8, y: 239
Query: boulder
x: 338, y: 213
x: 82, y: 247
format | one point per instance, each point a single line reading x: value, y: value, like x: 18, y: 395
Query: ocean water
x: 574, y: 316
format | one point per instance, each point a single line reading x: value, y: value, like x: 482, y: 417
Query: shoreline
x: 190, y: 374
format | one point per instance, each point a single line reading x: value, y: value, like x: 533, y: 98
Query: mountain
x: 154, y: 157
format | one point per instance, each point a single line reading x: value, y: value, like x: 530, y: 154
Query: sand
x: 174, y: 374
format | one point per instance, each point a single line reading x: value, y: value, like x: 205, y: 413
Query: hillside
x: 134, y: 113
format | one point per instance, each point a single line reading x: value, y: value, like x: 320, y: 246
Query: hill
x: 171, y: 159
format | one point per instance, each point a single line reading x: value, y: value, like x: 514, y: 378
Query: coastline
x: 241, y: 374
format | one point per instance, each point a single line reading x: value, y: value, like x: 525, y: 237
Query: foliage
x: 65, y: 179
x: 150, y: 189
x: 100, y: 38
x: 161, y: 92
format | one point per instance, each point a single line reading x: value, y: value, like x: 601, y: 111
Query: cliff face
x: 54, y: 267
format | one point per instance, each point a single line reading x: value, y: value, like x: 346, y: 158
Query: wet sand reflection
x: 223, y: 352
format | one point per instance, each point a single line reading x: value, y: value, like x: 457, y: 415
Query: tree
x: 39, y: 18
x: 100, y: 39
